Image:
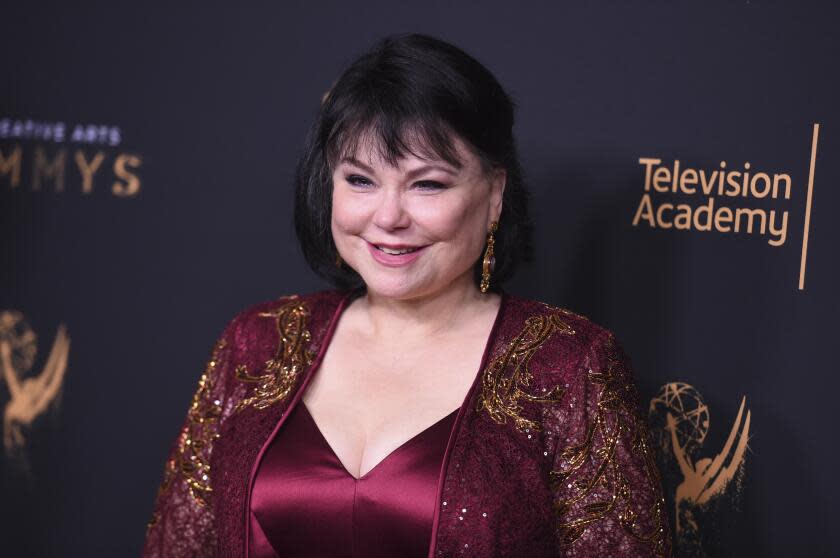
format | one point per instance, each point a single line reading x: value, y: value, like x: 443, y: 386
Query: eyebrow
x: 411, y: 174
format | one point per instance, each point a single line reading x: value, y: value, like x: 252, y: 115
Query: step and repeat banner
x: 684, y: 171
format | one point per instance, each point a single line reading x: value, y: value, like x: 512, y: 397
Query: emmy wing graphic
x: 682, y: 421
x: 30, y: 396
x: 708, y: 477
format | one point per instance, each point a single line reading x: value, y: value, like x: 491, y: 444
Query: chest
x: 368, y: 400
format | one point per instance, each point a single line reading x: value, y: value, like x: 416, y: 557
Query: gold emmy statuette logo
x: 700, y: 483
x: 30, y: 395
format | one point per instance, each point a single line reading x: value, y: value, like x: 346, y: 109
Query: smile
x: 395, y: 255
x: 396, y: 250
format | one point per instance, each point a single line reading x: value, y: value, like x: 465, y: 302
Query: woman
x: 418, y: 409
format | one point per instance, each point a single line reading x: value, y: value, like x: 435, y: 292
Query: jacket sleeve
x: 183, y: 522
x: 606, y: 486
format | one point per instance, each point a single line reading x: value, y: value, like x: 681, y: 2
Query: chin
x: 396, y: 288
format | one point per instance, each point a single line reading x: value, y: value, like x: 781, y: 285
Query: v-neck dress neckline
x: 305, y: 503
x: 411, y: 441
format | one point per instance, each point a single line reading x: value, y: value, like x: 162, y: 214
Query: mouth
x: 395, y: 255
x: 397, y: 251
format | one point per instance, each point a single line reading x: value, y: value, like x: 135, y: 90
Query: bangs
x: 388, y: 136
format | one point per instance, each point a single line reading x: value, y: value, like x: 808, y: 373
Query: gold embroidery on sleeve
x: 506, y: 379
x: 291, y: 356
x: 191, y: 458
x: 614, y: 401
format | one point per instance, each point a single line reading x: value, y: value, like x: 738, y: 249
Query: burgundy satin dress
x: 306, y: 504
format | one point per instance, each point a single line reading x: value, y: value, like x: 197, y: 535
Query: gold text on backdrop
x: 726, y: 199
x: 34, y: 157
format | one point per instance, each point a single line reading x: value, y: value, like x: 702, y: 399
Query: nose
x: 390, y: 213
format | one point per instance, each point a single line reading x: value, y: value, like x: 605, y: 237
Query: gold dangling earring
x: 338, y: 260
x: 489, y: 262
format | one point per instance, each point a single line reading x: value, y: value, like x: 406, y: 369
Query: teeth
x: 397, y: 252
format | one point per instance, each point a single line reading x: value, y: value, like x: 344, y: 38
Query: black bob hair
x: 411, y: 87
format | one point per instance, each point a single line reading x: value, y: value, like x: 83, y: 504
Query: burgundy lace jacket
x: 549, y: 455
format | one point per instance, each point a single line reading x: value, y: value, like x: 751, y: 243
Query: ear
x: 498, y: 181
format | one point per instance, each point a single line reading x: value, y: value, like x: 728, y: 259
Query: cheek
x: 455, y: 221
x: 348, y: 217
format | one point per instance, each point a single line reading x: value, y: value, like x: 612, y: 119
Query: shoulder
x: 559, y: 323
x: 314, y: 305
x: 556, y: 340
x: 258, y: 329
x: 542, y: 358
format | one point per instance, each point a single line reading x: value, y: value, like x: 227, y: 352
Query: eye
x: 357, y: 180
x: 430, y: 185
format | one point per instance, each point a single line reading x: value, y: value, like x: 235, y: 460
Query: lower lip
x: 394, y: 260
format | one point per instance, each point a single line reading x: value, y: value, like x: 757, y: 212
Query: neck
x: 429, y: 314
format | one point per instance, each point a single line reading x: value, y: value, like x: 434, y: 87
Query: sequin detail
x: 291, y: 356
x: 506, y: 379
x: 590, y: 474
x: 191, y: 459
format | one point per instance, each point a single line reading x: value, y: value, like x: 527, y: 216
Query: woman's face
x: 416, y: 229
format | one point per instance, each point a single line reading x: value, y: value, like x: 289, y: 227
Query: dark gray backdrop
x: 215, y: 101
